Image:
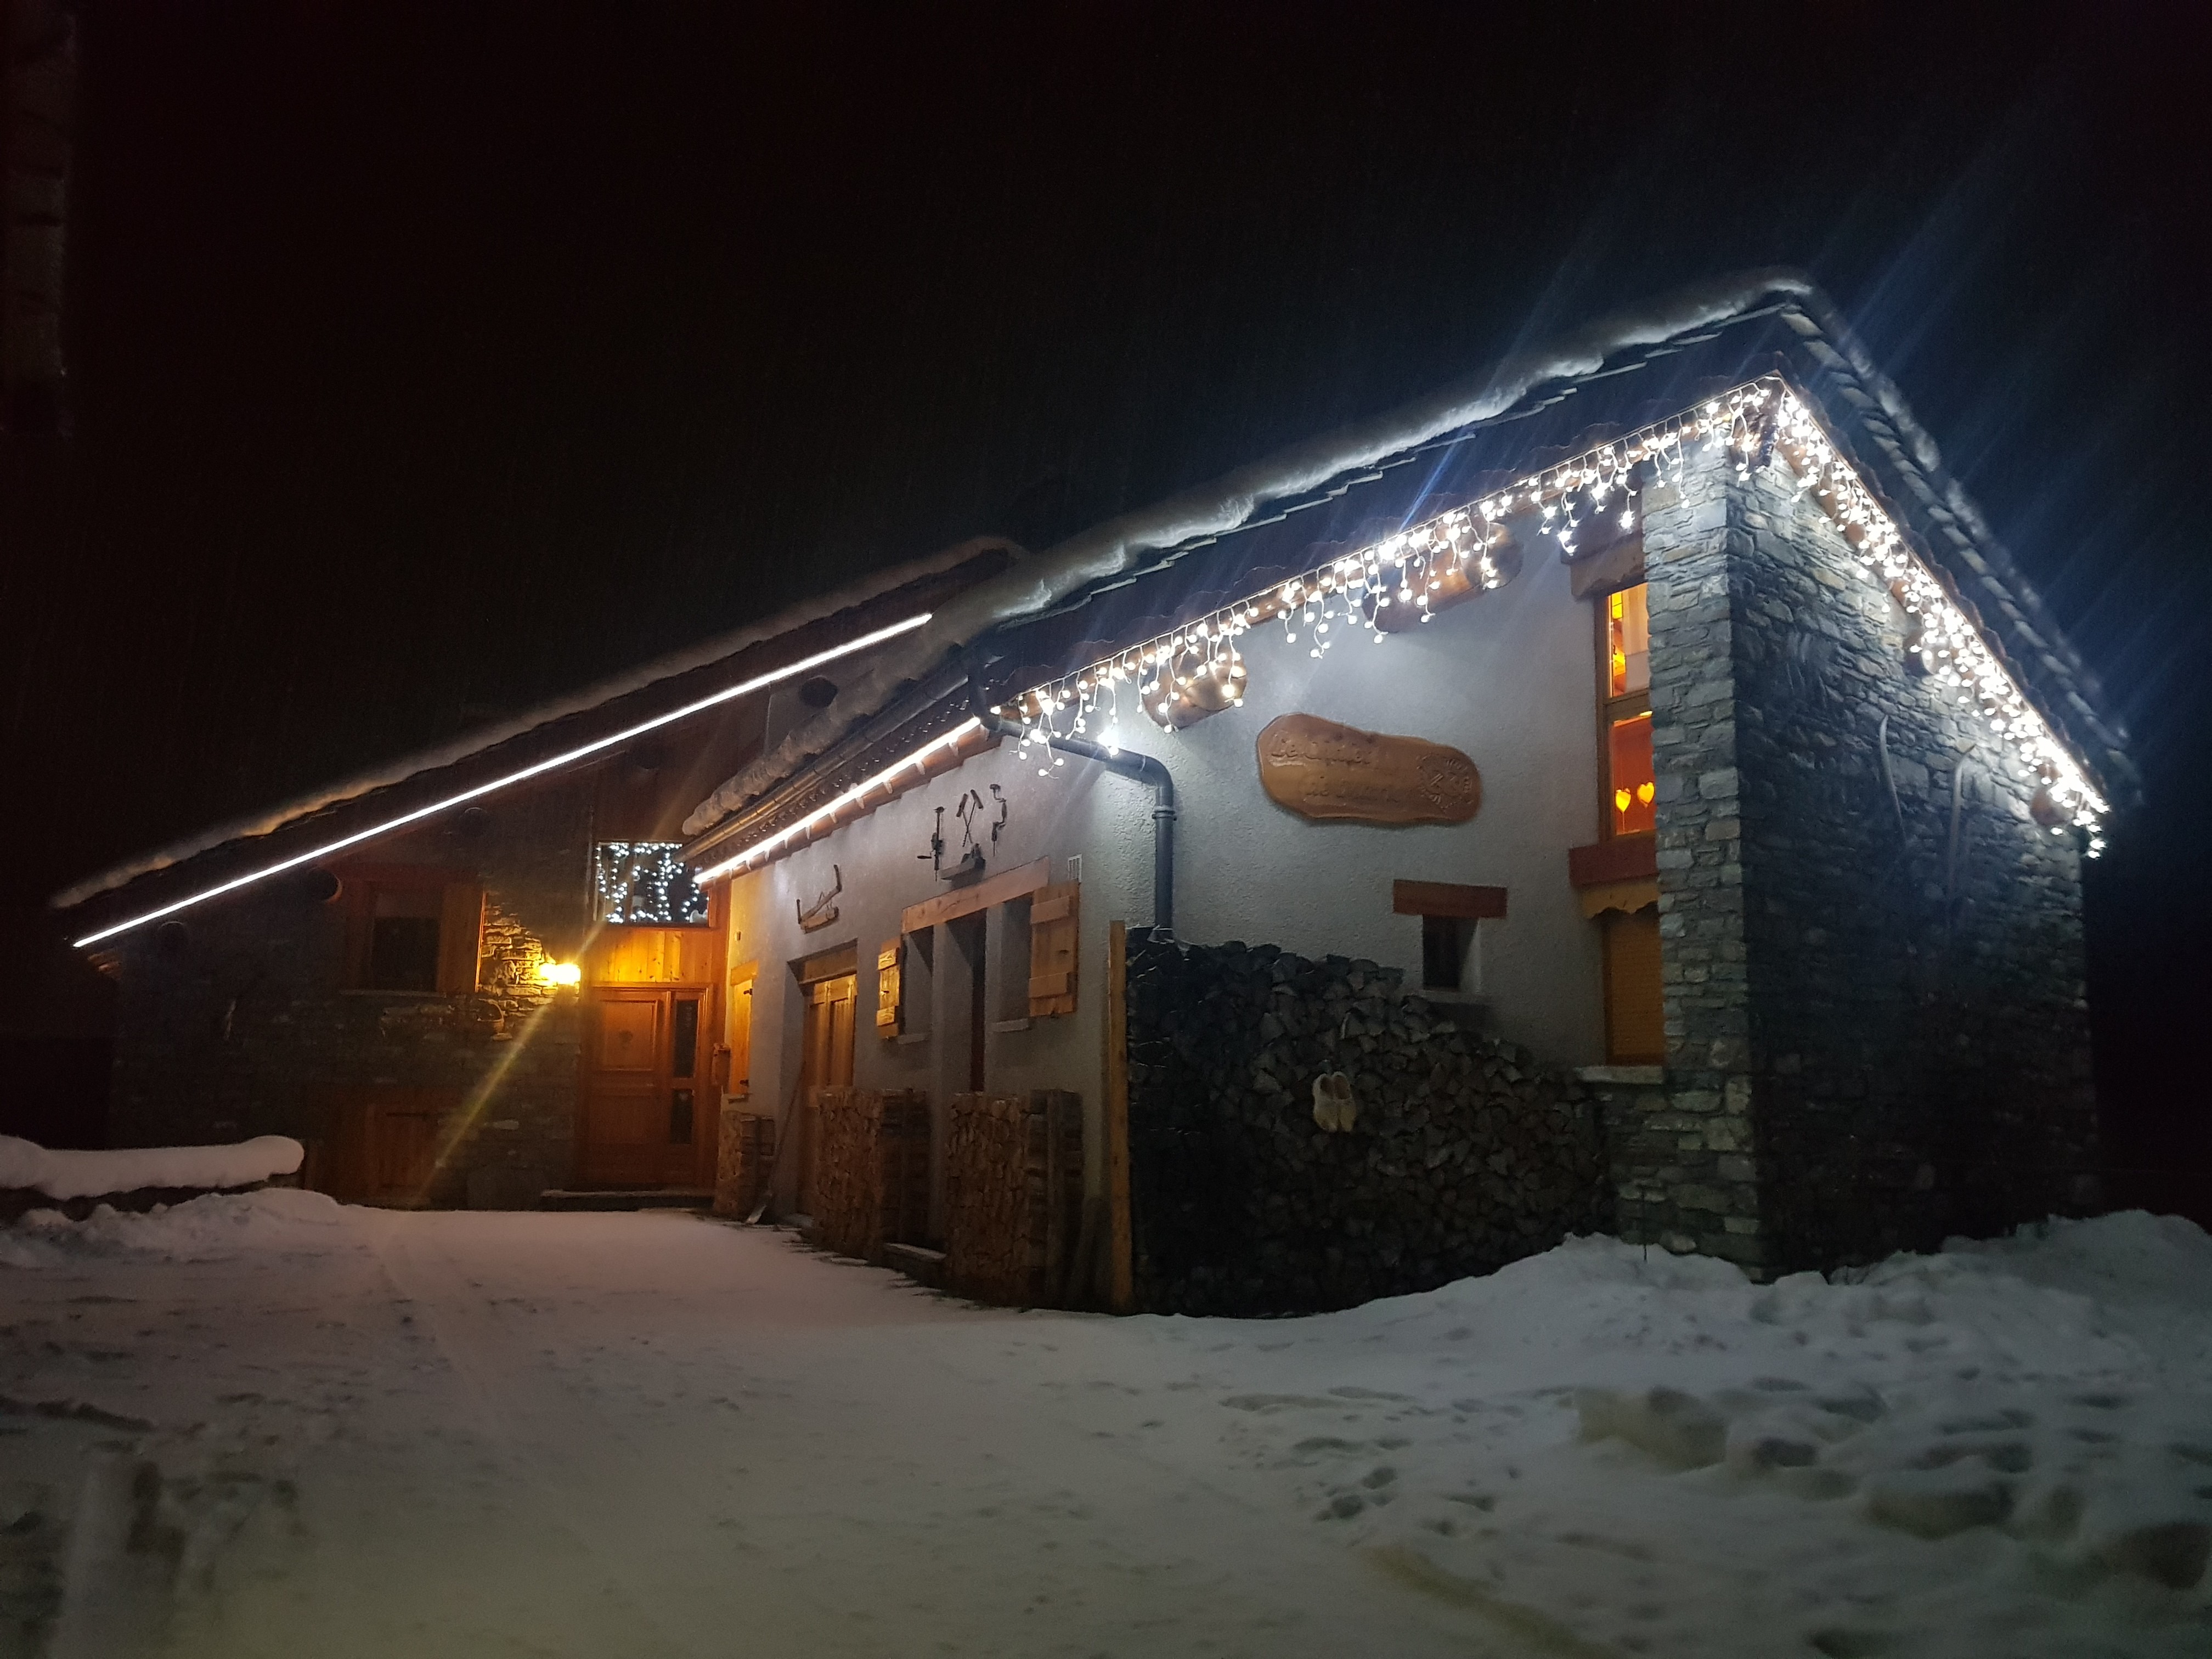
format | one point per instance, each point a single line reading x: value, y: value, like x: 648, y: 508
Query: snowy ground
x: 270, y: 1425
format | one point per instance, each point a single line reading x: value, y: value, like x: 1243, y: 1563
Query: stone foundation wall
x: 1876, y: 991
x: 236, y: 1024
x: 1465, y: 1154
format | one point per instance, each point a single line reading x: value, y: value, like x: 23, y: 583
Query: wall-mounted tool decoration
x: 813, y: 918
x: 970, y: 811
x: 999, y: 823
x: 1334, y: 1108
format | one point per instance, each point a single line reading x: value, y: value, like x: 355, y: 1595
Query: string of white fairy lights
x: 1198, y: 664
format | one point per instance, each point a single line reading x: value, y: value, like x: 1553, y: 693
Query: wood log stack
x: 1465, y: 1152
x: 870, y: 1170
x: 1013, y: 1196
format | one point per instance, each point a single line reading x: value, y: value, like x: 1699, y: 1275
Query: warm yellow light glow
x: 560, y: 973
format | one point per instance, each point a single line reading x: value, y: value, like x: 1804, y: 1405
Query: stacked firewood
x: 1013, y: 1188
x: 870, y: 1170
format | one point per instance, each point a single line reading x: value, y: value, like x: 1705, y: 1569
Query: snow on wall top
x: 24, y: 1165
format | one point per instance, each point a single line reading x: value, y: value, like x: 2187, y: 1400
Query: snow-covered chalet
x: 1629, y: 789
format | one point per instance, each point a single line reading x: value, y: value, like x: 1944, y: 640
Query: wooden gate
x: 825, y: 1061
x: 384, y: 1142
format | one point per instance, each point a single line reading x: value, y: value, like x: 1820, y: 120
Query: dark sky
x: 431, y: 359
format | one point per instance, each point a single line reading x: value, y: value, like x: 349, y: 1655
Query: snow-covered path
x: 266, y: 1426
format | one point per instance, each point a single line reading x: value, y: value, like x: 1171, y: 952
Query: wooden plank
x: 1624, y: 858
x: 966, y: 901
x: 1447, y: 898
x: 1323, y: 770
x: 1121, y: 1281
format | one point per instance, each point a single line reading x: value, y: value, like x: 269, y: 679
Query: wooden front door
x: 825, y: 1060
x: 645, y: 1098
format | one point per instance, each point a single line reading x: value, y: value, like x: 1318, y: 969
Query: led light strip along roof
x: 890, y: 778
x: 759, y: 682
x: 1352, y: 592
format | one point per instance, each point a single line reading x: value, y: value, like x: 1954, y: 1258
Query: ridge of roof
x: 1880, y: 437
x: 613, y: 688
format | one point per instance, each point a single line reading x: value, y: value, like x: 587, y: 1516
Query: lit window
x: 1628, y: 764
x: 646, y: 882
x: 1627, y: 644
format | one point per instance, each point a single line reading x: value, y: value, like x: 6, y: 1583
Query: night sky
x: 431, y: 360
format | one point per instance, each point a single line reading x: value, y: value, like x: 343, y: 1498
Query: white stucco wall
x: 1508, y: 678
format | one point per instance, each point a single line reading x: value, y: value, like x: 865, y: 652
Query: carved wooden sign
x: 1319, y: 769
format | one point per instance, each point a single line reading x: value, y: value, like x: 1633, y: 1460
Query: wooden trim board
x: 966, y: 901
x: 1447, y: 898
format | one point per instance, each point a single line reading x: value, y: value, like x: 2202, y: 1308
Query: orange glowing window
x: 1627, y: 644
x: 1628, y: 767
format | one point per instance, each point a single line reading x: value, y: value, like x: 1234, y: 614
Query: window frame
x: 459, y: 893
x: 1612, y: 709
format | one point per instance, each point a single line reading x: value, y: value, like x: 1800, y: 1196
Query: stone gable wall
x: 1877, y: 1023
x: 1465, y: 1153
x: 236, y: 1024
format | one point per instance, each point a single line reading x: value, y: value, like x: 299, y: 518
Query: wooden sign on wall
x: 1319, y: 769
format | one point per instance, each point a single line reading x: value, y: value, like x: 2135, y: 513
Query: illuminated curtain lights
x: 1955, y: 655
x: 1462, y: 548
x: 761, y: 851
x: 1337, y: 600
x: 757, y: 683
x: 645, y: 882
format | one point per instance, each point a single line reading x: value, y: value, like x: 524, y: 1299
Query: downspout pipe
x: 1145, y: 768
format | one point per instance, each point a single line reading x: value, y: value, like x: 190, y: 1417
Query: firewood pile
x: 742, y: 1161
x: 1253, y: 1192
x: 1013, y: 1192
x: 870, y: 1170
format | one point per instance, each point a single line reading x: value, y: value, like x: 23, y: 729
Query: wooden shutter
x: 1635, y: 1014
x: 1055, y: 931
x: 461, y: 934
x: 890, y: 1010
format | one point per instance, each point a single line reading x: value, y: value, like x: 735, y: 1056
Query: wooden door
x: 643, y: 1121
x: 382, y: 1142
x: 825, y: 1060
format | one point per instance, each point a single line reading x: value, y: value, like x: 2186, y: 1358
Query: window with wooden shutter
x: 891, y: 1011
x: 1054, y: 947
x: 460, y: 936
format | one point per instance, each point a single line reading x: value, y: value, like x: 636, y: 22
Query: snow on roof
x: 1900, y: 453
x: 589, y: 698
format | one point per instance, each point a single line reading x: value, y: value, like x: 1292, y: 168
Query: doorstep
x: 650, y: 1197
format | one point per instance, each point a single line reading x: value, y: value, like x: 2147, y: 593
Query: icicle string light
x: 1956, y: 657
x: 1443, y: 556
x: 1467, y: 546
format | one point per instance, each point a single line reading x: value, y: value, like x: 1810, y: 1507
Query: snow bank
x: 65, y: 1175
x: 282, y: 1218
x: 2003, y: 1447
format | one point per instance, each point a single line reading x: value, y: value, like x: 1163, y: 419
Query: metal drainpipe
x: 1144, y: 769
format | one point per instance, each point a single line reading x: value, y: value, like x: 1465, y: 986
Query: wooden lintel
x: 966, y: 901
x: 1624, y: 858
x: 1447, y: 898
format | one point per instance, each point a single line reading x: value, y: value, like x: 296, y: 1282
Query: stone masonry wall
x: 1877, y: 1027
x: 1465, y: 1155
x: 234, y: 1023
